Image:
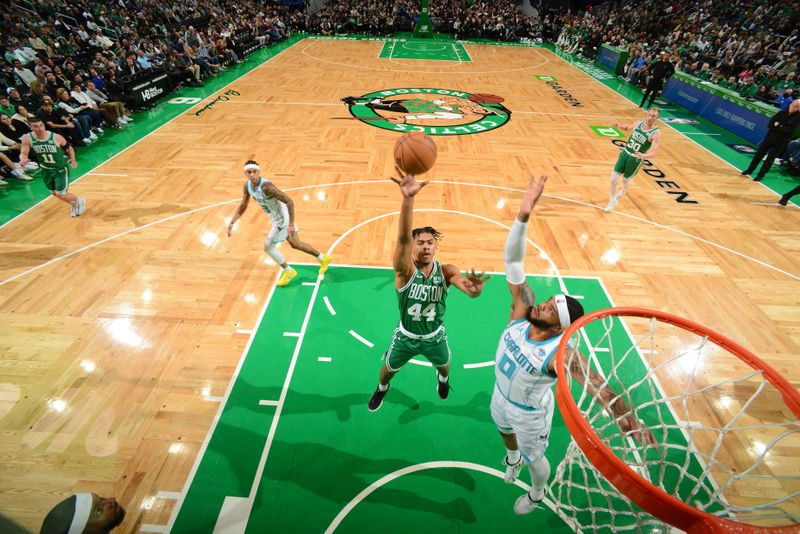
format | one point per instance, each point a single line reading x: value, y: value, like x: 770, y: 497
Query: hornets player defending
x: 421, y: 283
x: 525, y: 368
x: 49, y: 149
x: 642, y: 144
x: 280, y: 209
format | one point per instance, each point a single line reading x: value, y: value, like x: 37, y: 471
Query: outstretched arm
x: 471, y: 284
x: 402, y: 262
x: 598, y: 387
x: 239, y: 210
x: 625, y: 126
x: 514, y: 255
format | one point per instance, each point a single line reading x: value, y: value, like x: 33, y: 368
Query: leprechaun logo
x: 433, y: 111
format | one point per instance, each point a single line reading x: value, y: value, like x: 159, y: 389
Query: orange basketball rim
x: 653, y: 500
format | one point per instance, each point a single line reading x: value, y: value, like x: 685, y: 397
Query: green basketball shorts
x: 56, y: 180
x: 627, y: 165
x: 402, y: 348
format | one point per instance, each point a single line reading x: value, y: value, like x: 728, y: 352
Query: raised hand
x: 631, y: 426
x: 409, y: 186
x: 531, y: 197
x: 474, y: 281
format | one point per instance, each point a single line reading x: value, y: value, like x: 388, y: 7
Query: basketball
x: 415, y: 153
x: 486, y: 98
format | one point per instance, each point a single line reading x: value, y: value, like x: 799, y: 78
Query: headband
x: 83, y: 507
x: 563, y: 311
x: 252, y: 166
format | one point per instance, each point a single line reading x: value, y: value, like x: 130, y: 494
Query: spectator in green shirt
x: 703, y: 73
x: 761, y: 76
x: 772, y: 79
x: 730, y: 84
x: 787, y: 83
x: 6, y: 107
x: 750, y: 89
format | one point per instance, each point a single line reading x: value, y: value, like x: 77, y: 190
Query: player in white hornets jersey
x: 280, y: 209
x: 525, y: 371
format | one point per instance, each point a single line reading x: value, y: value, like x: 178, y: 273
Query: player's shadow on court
x: 298, y: 402
x: 346, y: 475
x: 377, y: 280
x: 143, y: 215
x: 29, y: 256
x: 477, y: 408
x: 410, y: 408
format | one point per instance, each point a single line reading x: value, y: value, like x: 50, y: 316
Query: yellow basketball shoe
x: 286, y: 276
x: 324, y: 262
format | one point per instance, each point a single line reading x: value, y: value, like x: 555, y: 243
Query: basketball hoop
x: 716, y: 425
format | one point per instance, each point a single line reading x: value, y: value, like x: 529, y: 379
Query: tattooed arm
x: 598, y: 387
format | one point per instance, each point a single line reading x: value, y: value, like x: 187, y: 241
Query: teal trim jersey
x: 277, y: 210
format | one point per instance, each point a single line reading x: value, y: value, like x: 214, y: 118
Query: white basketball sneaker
x: 19, y: 174
x: 512, y: 470
x: 612, y: 204
x: 525, y: 504
x: 79, y: 208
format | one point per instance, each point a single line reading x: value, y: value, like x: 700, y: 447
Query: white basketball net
x: 728, y: 444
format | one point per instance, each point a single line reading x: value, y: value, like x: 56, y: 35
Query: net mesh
x: 727, y: 443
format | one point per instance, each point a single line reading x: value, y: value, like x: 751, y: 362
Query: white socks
x: 273, y: 252
x: 512, y: 456
x: 614, y: 184
x: 625, y: 184
x: 540, y: 473
x: 383, y: 387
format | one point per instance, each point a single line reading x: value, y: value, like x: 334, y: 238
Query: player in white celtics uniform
x: 642, y: 144
x: 525, y: 371
x: 280, y: 209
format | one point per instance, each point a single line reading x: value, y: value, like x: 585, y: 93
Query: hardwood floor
x: 120, y: 329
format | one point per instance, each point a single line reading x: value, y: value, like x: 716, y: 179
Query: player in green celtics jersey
x: 642, y: 144
x: 421, y: 283
x: 49, y: 149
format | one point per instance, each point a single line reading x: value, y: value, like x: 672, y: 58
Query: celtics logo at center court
x: 433, y: 111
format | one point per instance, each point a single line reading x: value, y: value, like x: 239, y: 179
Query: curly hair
x: 427, y: 230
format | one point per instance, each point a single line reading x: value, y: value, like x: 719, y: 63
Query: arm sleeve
x: 515, y: 253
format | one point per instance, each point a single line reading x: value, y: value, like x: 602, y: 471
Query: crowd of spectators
x: 500, y: 20
x: 73, y: 62
x: 748, y: 47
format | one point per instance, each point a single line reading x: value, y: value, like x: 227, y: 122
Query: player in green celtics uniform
x: 49, y: 149
x: 642, y: 144
x: 421, y: 283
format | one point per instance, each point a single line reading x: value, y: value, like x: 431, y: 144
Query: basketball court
x: 150, y: 357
